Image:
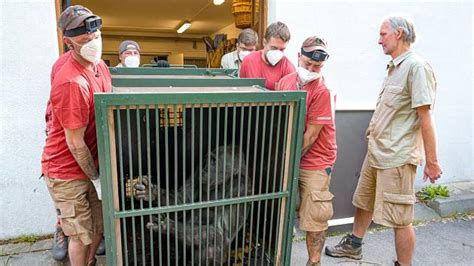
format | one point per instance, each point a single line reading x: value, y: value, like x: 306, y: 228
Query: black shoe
x: 101, y: 248
x: 60, y: 242
x: 345, y: 249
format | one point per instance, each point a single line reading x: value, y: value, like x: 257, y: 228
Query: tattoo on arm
x: 84, y: 158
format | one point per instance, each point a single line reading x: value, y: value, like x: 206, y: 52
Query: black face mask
x: 316, y: 55
x: 91, y: 24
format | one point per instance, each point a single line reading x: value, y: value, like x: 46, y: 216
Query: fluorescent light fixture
x: 218, y: 2
x: 184, y: 27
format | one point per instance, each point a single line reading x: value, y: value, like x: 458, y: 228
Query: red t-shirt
x: 56, y: 67
x: 320, y: 110
x: 253, y: 66
x: 72, y: 102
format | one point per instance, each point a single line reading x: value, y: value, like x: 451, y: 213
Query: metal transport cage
x: 163, y: 77
x: 199, y: 175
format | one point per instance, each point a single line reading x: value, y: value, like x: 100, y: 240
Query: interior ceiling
x: 161, y: 16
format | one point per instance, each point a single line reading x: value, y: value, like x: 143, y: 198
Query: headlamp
x: 91, y: 24
x: 317, y: 55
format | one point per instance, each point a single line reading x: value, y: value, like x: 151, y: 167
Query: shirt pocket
x: 392, y: 96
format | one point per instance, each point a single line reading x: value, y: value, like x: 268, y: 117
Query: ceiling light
x: 218, y: 2
x: 184, y: 27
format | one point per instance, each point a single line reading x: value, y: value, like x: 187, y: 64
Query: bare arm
x: 432, y: 168
x: 310, y: 136
x: 80, y: 151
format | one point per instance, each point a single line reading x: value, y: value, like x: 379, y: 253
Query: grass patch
x: 432, y: 192
x: 26, y: 239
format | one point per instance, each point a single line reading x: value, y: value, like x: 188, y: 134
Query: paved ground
x: 441, y: 241
x: 446, y: 242
x: 438, y: 243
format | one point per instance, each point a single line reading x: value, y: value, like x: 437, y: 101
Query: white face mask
x: 132, y: 61
x: 306, y: 76
x: 243, y: 54
x: 92, y: 51
x: 274, y: 56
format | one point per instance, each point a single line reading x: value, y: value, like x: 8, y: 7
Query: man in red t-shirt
x: 69, y: 160
x: 319, y: 144
x: 269, y: 63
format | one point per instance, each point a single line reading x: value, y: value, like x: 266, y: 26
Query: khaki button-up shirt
x: 230, y: 60
x: 394, y: 133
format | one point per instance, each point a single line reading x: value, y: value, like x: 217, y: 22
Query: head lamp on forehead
x: 91, y: 24
x: 317, y: 55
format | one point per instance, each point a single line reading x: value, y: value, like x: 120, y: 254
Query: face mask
x: 274, y: 56
x: 92, y: 51
x: 243, y: 54
x: 306, y: 76
x: 132, y: 61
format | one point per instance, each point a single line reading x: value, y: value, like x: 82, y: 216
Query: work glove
x: 96, y: 183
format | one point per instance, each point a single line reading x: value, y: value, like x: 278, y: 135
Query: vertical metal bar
x: 158, y: 178
x: 130, y: 165
x: 122, y: 187
x: 282, y: 172
x: 275, y: 176
x: 183, y: 116
x: 148, y: 164
x: 209, y: 130
x: 217, y: 177
x: 175, y: 141
x: 201, y: 150
x: 253, y: 173
x: 247, y: 160
x: 241, y: 136
x: 298, y: 126
x: 140, y: 177
x: 231, y: 179
x: 192, y: 180
x: 167, y: 183
x: 270, y: 145
x: 224, y: 163
x: 261, y: 172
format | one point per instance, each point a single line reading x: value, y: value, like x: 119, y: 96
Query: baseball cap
x: 73, y: 16
x: 315, y: 48
x: 128, y: 44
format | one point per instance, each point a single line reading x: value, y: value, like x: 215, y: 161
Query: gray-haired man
x: 246, y: 43
x: 400, y: 129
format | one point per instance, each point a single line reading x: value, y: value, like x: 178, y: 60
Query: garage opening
x: 214, y: 26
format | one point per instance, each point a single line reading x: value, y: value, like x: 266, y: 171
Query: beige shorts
x: 389, y: 193
x: 315, y: 200
x: 78, y: 207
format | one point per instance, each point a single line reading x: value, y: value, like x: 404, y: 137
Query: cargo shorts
x: 315, y: 200
x: 388, y: 193
x: 78, y: 207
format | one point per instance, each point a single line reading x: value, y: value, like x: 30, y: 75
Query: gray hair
x: 248, y: 37
x: 400, y: 23
x: 278, y: 30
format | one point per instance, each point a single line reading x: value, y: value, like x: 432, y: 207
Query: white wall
x: 357, y: 65
x: 28, y: 48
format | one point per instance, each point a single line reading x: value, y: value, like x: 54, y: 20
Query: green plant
x: 432, y: 192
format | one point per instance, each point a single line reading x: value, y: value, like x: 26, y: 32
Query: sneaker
x: 309, y: 263
x: 344, y: 249
x: 101, y: 248
x: 60, y: 242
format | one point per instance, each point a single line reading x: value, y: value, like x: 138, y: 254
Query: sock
x: 356, y: 242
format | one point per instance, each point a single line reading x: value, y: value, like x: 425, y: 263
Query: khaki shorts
x: 315, y: 200
x: 389, y: 193
x: 78, y: 207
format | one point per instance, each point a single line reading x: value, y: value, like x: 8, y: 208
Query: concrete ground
x: 440, y: 241
x: 444, y: 242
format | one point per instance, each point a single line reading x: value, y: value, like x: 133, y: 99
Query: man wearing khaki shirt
x: 400, y: 134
